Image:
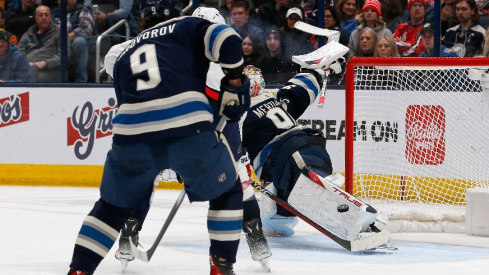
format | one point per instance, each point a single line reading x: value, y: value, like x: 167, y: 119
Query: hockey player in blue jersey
x: 251, y: 212
x: 165, y: 121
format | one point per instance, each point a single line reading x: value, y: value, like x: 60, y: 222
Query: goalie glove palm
x: 234, y: 101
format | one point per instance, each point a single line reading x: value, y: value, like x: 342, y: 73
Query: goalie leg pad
x: 281, y: 225
x: 273, y: 223
x: 325, y: 203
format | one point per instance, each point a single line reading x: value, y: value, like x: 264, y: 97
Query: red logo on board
x: 14, y: 109
x: 425, y: 134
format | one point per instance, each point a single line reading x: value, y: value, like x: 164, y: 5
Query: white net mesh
x: 420, y: 140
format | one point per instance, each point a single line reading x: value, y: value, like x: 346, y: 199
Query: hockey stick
x: 369, y: 242
x: 146, y: 255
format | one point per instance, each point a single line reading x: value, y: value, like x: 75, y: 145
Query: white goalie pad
x: 331, y: 207
x: 268, y: 207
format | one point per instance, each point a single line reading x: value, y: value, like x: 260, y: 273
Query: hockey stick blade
x: 372, y: 241
x: 303, y: 26
x: 146, y: 255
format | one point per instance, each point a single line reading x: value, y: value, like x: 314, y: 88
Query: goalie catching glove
x: 234, y: 101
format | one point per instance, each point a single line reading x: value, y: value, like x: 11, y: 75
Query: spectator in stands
x: 427, y: 35
x: 81, y: 26
x: 331, y: 22
x: 12, y: 37
x: 225, y: 10
x: 12, y: 4
x: 294, y: 41
x: 109, y: 12
x: 369, y: 17
x: 483, y: 9
x: 252, y: 50
x: 19, y: 20
x: 367, y: 39
x: 347, y: 10
x: 407, y: 34
x: 14, y: 66
x: 386, y: 47
x: 275, y: 68
x: 240, y: 16
x: 448, y: 16
x: 467, y: 38
x: 274, y: 13
x: 485, y: 51
x: 41, y: 45
x: 391, y: 13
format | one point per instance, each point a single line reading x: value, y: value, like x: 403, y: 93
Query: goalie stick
x: 373, y: 241
x: 303, y: 26
x: 146, y: 255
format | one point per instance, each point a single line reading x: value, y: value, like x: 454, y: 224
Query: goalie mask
x: 257, y: 82
x: 210, y: 14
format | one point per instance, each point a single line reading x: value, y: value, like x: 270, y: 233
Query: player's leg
x: 252, y: 225
x: 209, y: 172
x: 126, y: 184
x: 284, y: 175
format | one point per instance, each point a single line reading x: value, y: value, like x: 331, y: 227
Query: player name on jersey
x: 150, y: 33
x: 261, y: 110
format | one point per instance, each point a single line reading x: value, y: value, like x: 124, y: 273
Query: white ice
x: 39, y: 225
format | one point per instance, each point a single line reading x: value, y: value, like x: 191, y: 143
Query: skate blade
x: 388, y: 246
x: 265, y: 264
x: 124, y: 265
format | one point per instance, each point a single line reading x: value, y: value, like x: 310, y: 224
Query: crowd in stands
x: 30, y: 32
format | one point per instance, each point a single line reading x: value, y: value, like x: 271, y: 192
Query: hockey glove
x: 234, y: 101
x: 336, y: 67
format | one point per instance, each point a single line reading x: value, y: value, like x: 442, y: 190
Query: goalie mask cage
x: 417, y: 137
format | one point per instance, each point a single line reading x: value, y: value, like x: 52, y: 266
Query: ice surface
x: 39, y: 226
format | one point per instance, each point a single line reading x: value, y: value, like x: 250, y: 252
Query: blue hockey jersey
x: 160, y: 79
x: 270, y: 118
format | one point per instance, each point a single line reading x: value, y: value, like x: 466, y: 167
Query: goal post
x: 417, y: 136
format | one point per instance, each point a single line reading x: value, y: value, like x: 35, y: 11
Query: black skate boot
x: 220, y: 267
x: 77, y: 272
x: 124, y: 253
x: 257, y: 242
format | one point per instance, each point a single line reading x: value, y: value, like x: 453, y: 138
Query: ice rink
x: 39, y: 225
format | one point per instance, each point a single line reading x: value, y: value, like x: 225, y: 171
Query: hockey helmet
x: 257, y: 82
x: 162, y: 8
x: 211, y: 14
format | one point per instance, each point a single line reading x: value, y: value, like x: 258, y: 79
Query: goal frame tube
x: 474, y: 62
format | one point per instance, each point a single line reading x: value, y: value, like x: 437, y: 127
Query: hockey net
x: 417, y: 138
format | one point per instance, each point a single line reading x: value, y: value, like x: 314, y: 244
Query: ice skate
x: 220, y: 267
x: 257, y: 242
x: 124, y: 253
x: 77, y: 272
